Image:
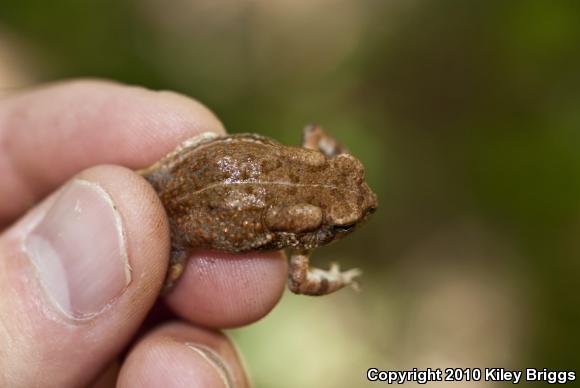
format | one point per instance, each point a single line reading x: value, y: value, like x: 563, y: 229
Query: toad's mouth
x: 344, y: 228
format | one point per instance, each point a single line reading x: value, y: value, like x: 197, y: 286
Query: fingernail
x: 79, y: 251
x: 215, y: 361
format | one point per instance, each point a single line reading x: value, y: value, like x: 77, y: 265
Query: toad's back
x: 217, y: 190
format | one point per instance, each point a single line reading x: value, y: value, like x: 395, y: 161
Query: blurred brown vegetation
x: 466, y: 115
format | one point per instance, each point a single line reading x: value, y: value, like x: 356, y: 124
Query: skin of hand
x: 84, y: 247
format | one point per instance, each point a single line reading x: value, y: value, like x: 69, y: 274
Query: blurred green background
x: 466, y: 115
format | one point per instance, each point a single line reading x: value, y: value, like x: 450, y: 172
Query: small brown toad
x: 247, y: 192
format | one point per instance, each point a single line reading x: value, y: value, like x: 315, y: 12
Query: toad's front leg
x: 314, y: 281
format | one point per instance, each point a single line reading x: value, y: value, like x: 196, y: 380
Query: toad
x: 247, y: 192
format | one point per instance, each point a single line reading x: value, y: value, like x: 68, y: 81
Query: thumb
x: 77, y: 276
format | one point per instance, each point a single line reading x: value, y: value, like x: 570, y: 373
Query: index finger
x: 49, y: 134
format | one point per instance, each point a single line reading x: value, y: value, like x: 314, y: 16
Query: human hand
x: 81, y: 270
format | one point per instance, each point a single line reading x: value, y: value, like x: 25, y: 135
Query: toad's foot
x: 316, y: 138
x: 314, y: 281
x: 178, y: 259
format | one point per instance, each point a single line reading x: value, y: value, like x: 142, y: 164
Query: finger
x: 223, y: 290
x: 49, y: 134
x: 108, y: 379
x: 77, y: 276
x: 104, y: 122
x: 177, y: 355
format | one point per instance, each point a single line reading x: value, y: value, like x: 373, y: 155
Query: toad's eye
x: 344, y: 228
